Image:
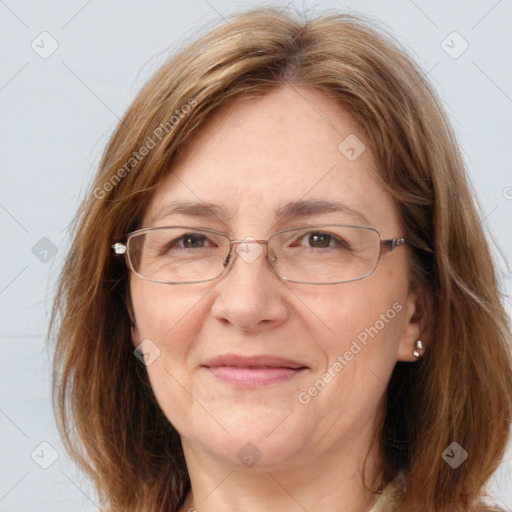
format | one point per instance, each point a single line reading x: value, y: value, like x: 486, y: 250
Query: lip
x: 253, y: 371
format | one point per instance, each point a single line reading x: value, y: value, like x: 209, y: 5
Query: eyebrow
x: 191, y: 209
x: 310, y: 207
x: 289, y: 211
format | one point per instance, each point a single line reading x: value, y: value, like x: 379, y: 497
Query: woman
x: 282, y: 232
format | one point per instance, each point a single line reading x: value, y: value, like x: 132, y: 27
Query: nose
x: 250, y: 295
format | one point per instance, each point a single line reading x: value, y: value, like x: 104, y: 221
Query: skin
x: 252, y: 157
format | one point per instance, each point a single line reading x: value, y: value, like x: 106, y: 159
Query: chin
x: 254, y: 439
x: 254, y: 451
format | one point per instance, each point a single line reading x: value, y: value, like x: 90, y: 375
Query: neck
x: 331, y: 480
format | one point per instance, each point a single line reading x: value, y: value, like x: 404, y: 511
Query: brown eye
x: 193, y: 241
x: 321, y: 240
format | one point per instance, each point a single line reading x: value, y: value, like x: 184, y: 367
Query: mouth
x: 254, y: 371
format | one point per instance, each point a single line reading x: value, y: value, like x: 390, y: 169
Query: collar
x: 390, y: 498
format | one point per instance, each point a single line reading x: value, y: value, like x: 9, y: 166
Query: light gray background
x: 57, y: 114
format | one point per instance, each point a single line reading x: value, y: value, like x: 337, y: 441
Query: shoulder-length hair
x: 460, y: 391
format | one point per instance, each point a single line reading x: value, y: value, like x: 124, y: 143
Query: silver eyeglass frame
x: 120, y: 247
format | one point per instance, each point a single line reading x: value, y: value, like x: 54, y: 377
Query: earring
x: 418, y: 345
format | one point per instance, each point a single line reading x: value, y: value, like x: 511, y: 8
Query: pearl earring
x: 418, y: 345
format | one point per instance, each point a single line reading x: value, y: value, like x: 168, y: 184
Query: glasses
x: 318, y: 254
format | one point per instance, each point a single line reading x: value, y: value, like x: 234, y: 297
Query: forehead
x: 256, y: 157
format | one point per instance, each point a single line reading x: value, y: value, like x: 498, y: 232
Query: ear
x: 418, y: 310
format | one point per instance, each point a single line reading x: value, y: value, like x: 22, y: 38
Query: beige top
x: 390, y: 498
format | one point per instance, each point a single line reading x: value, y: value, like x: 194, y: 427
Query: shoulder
x: 391, y: 499
x: 391, y: 496
x: 480, y: 506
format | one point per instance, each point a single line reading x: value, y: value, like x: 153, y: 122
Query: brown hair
x: 460, y: 391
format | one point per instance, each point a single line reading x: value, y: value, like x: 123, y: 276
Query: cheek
x: 360, y: 343
x: 171, y: 319
x: 363, y: 311
x: 163, y: 312
x: 168, y: 317
x: 359, y: 356
x: 361, y: 336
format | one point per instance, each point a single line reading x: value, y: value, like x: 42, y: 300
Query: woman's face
x: 330, y: 348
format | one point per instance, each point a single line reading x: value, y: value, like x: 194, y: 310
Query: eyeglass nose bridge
x: 232, y: 250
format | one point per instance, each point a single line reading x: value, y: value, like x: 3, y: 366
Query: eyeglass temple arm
x: 392, y: 243
x: 119, y: 248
